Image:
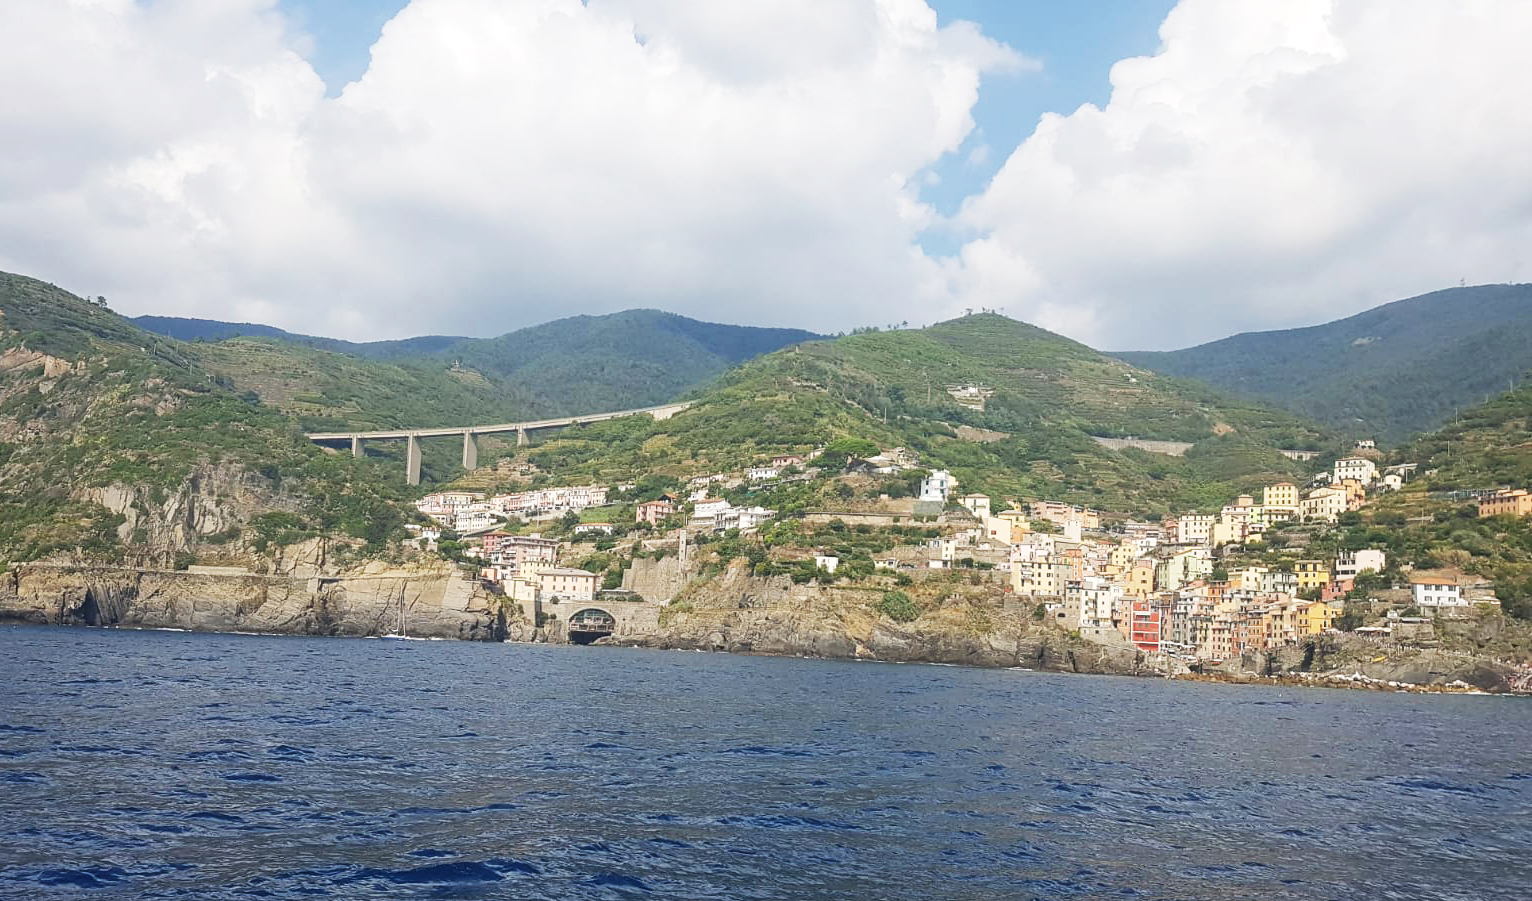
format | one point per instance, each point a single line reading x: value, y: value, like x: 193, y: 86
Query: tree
x: 897, y: 606
x: 842, y: 450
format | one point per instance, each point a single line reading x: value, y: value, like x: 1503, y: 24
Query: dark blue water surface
x: 172, y: 765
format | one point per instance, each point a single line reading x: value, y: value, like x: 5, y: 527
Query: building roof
x: 562, y: 571
x: 1433, y: 577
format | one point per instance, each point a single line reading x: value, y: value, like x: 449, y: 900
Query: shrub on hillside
x: 897, y: 606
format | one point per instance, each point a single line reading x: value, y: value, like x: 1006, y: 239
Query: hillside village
x: 1187, y: 587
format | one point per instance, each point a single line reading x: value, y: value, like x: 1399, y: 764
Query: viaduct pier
x: 470, y: 434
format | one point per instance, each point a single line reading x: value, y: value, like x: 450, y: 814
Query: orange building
x: 1506, y: 503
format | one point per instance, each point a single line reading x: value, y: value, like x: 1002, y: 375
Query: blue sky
x: 1077, y: 44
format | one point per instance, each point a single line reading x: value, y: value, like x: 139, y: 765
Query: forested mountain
x: 1046, y: 397
x: 582, y: 364
x: 214, y: 330
x: 1391, y: 372
x: 115, y: 442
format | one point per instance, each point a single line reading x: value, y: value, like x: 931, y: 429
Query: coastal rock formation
x: 437, y: 601
x: 1352, y: 656
x: 739, y: 613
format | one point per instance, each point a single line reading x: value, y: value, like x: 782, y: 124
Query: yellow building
x: 1141, y: 579
x: 1311, y: 574
x: 1318, y: 616
x: 1282, y: 494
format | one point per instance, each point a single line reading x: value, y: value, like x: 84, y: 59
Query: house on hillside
x: 936, y: 487
x: 1436, y: 589
x: 1323, y: 504
x: 1506, y: 503
x: 654, y: 512
x: 1359, y: 469
x: 1350, y: 564
x: 977, y: 504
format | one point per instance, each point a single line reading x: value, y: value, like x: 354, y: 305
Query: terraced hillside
x: 1046, y: 397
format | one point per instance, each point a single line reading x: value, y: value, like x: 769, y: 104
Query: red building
x: 1144, y: 625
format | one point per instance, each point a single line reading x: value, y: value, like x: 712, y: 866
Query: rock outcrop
x: 738, y: 613
x: 1344, y: 658
x: 437, y: 601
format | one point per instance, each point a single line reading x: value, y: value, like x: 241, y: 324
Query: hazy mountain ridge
x: 1393, y: 371
x: 581, y: 364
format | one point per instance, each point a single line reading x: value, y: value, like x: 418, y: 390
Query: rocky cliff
x: 1346, y: 658
x: 437, y: 601
x: 739, y: 613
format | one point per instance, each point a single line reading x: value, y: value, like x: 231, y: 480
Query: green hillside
x: 115, y: 442
x: 327, y: 390
x: 581, y: 364
x: 1049, y: 396
x: 1484, y: 447
x: 1389, y: 373
x: 1434, y: 522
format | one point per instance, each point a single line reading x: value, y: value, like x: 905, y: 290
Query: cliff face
x: 743, y: 614
x: 212, y: 499
x: 437, y: 601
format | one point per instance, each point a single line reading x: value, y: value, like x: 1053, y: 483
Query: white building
x: 1196, y: 528
x: 1349, y: 564
x: 1323, y: 504
x: 709, y: 507
x: 1097, y: 600
x: 762, y: 473
x: 1436, y: 590
x: 1360, y: 469
x: 826, y: 562
x: 977, y: 504
x: 475, y: 520
x: 742, y: 518
x: 937, y: 486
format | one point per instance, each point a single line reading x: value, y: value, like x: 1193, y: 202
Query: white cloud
x: 1274, y: 164
x: 499, y: 163
x: 504, y: 162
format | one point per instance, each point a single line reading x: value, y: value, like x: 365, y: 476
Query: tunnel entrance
x: 590, y: 624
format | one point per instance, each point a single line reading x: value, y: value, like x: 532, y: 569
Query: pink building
x: 655, y: 512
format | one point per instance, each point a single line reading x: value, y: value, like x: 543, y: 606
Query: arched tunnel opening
x: 591, y: 624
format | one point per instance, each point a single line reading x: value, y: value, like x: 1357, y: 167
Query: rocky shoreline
x: 437, y: 601
x: 733, y: 614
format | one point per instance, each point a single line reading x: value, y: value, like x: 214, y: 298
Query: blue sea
x: 177, y: 765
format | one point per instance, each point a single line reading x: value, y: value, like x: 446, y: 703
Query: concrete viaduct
x: 471, y: 434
